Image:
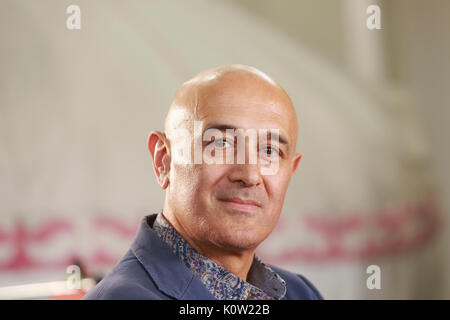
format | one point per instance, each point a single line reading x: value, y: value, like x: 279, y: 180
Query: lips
x: 241, y: 204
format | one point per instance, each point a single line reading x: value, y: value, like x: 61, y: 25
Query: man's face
x: 234, y: 206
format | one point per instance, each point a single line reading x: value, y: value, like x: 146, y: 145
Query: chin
x: 239, y: 240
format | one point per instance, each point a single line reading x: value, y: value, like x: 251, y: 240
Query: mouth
x: 241, y: 204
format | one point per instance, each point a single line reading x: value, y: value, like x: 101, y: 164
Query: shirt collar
x: 263, y: 283
x: 170, y: 275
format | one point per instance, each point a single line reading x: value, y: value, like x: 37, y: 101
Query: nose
x: 248, y: 175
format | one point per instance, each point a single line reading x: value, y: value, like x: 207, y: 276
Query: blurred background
x: 76, y: 107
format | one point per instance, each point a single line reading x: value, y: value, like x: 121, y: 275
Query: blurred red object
x: 75, y: 296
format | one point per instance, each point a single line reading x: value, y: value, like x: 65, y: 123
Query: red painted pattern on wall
x: 389, y: 225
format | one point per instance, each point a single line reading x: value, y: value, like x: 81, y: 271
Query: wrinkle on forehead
x: 187, y: 103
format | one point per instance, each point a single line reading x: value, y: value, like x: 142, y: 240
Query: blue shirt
x: 150, y: 270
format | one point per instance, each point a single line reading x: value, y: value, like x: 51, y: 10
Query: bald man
x: 225, y: 160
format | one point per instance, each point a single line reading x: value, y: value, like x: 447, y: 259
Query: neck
x: 238, y: 262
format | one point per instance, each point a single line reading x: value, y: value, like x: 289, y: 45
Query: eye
x: 220, y: 143
x: 271, y: 152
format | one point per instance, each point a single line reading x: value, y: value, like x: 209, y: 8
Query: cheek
x: 276, y: 189
x: 194, y: 183
x: 183, y: 185
x: 211, y: 174
x: 209, y: 177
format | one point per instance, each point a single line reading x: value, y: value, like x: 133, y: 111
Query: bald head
x: 228, y: 89
x: 226, y: 206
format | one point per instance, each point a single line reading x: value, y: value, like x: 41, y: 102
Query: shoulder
x: 298, y: 286
x: 127, y: 281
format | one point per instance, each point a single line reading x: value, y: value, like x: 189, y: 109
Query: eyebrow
x: 223, y: 127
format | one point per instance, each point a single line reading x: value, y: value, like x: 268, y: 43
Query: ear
x: 296, y: 161
x: 158, y: 145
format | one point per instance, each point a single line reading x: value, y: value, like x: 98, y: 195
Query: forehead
x: 248, y: 106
